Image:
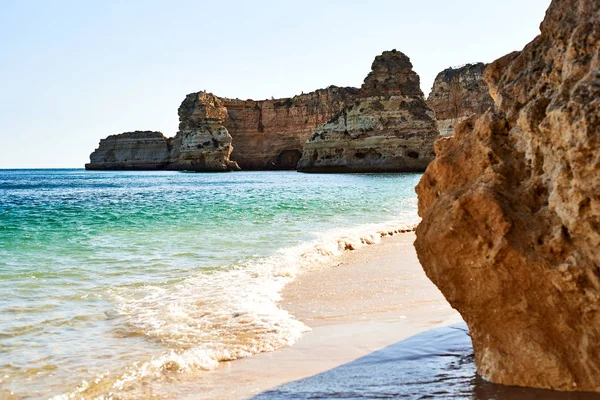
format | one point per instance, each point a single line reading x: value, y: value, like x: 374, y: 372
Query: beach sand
x: 374, y: 297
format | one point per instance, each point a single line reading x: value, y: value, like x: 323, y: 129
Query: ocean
x: 109, y: 280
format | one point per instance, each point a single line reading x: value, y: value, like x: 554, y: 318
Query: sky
x: 73, y: 72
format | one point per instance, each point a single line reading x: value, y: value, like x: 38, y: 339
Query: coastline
x: 368, y: 300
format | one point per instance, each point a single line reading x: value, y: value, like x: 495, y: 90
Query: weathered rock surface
x: 389, y: 128
x: 391, y: 75
x: 511, y: 210
x: 139, y: 150
x: 202, y: 143
x: 269, y: 134
x: 458, y: 93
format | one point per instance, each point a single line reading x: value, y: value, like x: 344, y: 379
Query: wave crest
x: 222, y: 314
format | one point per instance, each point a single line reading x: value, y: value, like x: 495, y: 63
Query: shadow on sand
x: 434, y: 364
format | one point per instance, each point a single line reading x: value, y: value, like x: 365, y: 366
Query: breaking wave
x: 221, y: 314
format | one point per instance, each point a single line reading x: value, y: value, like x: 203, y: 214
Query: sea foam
x: 223, y: 314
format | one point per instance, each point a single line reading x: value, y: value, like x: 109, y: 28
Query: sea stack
x: 389, y: 128
x: 458, y: 93
x: 202, y: 144
x: 511, y: 210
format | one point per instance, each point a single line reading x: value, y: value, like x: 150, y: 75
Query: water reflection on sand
x: 435, y: 364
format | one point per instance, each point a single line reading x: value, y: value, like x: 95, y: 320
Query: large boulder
x: 511, y: 210
x: 389, y: 128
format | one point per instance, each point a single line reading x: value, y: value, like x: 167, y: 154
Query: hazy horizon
x: 74, y: 72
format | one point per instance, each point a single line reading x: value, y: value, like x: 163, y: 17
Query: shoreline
x: 368, y: 300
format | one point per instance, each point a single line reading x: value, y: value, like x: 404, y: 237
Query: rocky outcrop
x: 511, y: 210
x: 266, y: 134
x: 139, y: 150
x: 202, y: 143
x: 458, y: 93
x: 389, y: 128
x: 269, y: 134
x: 391, y: 75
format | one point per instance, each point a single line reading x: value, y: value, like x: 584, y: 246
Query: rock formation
x: 202, y: 143
x: 266, y: 134
x: 511, y: 210
x: 269, y: 134
x: 389, y: 128
x: 458, y: 93
x: 139, y: 150
x: 391, y: 75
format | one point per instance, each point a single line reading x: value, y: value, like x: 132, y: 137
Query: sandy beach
x: 373, y: 297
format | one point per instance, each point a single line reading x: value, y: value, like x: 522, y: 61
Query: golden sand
x: 372, y: 298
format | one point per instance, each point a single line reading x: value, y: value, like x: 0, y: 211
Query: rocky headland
x: 213, y: 131
x: 388, y: 128
x: 202, y: 143
x: 458, y: 93
x: 511, y: 210
x: 385, y: 125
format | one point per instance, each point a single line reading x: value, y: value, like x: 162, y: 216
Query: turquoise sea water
x: 111, y: 280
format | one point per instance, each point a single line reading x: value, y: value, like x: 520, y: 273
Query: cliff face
x: 511, y: 210
x: 202, y: 143
x: 458, y: 93
x: 388, y: 128
x: 139, y: 150
x: 269, y: 134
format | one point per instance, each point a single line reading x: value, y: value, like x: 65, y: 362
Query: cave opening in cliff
x: 288, y: 159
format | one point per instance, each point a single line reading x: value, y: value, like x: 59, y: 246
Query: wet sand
x: 374, y: 297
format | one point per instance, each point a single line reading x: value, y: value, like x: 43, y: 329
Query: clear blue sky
x: 73, y: 72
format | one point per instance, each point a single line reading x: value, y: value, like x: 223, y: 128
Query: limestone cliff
x: 269, y: 134
x: 202, y: 143
x: 511, y: 210
x: 388, y: 128
x: 458, y: 93
x: 139, y: 150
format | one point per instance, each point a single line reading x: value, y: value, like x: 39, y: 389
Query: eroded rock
x: 391, y: 75
x: 389, y: 128
x: 202, y: 143
x: 458, y: 93
x: 139, y: 150
x: 270, y: 134
x: 511, y: 210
